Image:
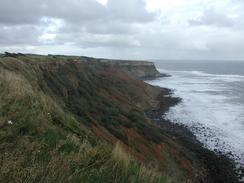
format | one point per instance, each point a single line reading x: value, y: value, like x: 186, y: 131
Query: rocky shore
x: 216, y: 167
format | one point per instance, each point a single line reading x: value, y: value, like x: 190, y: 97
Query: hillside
x: 69, y: 119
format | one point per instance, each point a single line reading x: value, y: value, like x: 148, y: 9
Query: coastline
x: 110, y: 109
x: 217, y: 168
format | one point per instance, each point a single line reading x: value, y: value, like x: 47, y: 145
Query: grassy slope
x: 68, y: 119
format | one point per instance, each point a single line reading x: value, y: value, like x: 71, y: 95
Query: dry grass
x: 125, y: 166
x: 120, y: 156
x: 150, y: 175
x: 13, y: 85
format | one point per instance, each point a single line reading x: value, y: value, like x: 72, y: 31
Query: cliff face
x: 136, y: 69
x: 76, y: 119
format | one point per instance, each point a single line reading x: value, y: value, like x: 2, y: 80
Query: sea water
x: 212, y: 104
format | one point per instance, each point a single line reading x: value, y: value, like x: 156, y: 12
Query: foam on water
x: 212, y: 108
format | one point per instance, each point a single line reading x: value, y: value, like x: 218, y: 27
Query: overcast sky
x: 128, y: 29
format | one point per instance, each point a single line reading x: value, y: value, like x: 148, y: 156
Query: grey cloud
x: 113, y: 42
x: 211, y: 17
x: 30, y: 12
x: 20, y: 12
x: 16, y: 35
x: 77, y: 11
x: 88, y: 40
x: 116, y: 28
x: 22, y: 21
x: 122, y: 28
x: 110, y: 28
x: 129, y: 10
x: 90, y: 10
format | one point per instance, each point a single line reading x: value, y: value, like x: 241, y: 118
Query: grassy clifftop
x: 64, y: 119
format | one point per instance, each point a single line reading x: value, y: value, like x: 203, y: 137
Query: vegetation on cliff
x: 65, y: 119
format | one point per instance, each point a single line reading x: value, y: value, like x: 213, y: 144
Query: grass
x: 120, y: 156
x: 91, y: 164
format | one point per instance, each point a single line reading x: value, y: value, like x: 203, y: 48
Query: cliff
x: 136, y: 69
x: 64, y: 119
x: 72, y: 119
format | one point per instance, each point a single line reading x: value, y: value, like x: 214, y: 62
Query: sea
x: 212, y: 106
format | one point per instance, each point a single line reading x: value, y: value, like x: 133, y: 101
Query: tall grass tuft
x: 120, y: 156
